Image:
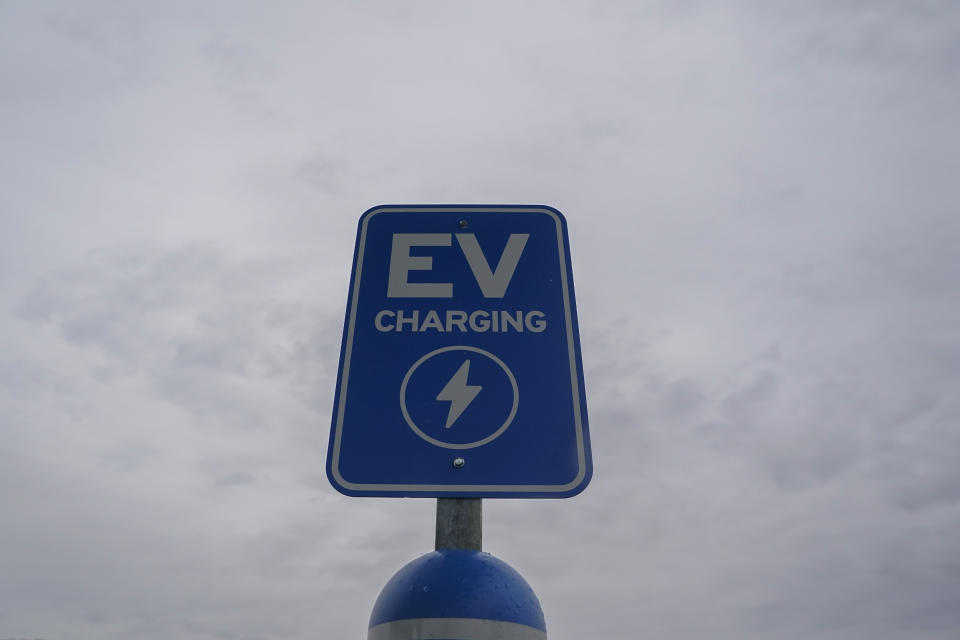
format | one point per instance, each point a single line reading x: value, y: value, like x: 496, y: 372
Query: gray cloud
x: 759, y: 199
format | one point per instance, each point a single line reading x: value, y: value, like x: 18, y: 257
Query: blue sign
x: 460, y: 371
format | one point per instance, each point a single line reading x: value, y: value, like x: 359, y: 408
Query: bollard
x: 457, y: 594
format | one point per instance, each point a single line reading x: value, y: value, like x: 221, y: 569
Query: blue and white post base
x: 454, y: 594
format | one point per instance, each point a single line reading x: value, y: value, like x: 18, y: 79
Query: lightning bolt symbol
x: 458, y: 393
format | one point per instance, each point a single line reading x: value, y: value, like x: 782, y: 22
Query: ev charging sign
x: 460, y: 371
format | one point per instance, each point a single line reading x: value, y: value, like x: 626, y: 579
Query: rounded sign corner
x: 372, y: 211
x: 582, y: 484
x: 553, y: 210
x: 341, y: 484
x: 335, y: 482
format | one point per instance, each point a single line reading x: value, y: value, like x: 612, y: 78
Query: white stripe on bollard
x: 453, y: 629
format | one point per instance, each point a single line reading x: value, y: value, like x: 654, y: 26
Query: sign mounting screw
x: 463, y: 224
x: 458, y: 462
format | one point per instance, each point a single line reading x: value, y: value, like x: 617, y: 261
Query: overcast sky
x: 762, y: 204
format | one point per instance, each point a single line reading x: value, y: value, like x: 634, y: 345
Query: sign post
x: 460, y: 378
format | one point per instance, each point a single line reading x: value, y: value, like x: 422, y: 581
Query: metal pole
x: 459, y: 523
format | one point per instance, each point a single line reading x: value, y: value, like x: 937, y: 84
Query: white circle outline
x: 469, y: 445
